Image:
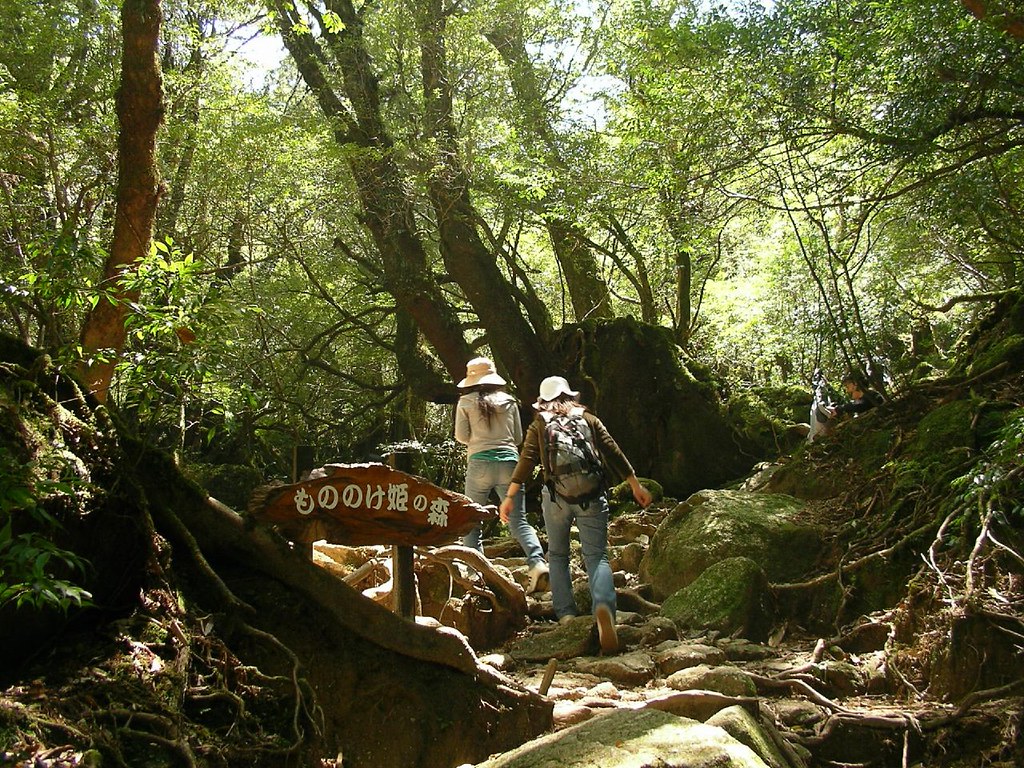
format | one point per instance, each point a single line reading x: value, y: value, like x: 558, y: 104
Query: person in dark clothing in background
x: 861, y: 397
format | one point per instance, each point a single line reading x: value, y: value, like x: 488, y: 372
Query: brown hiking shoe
x: 606, y: 629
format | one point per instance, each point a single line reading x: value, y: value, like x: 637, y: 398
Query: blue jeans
x: 481, y: 478
x: 592, y: 522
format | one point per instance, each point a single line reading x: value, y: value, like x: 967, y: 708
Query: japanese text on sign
x: 395, y: 497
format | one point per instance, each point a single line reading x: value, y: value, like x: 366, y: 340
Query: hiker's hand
x: 509, y: 501
x: 643, y: 497
x: 505, y: 509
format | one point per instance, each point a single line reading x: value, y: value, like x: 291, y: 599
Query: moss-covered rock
x: 1009, y: 351
x: 712, y: 526
x: 746, y: 729
x: 861, y: 446
x: 625, y: 738
x: 996, y: 341
x: 621, y: 501
x: 800, y: 479
x: 771, y: 418
x: 725, y: 679
x: 730, y: 596
x: 946, y: 428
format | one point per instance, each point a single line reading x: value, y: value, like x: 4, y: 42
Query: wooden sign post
x: 367, y: 504
x: 403, y: 571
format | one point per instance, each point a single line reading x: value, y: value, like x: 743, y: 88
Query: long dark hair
x: 484, y: 401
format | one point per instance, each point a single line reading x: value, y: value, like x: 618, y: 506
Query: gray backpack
x: 573, y: 463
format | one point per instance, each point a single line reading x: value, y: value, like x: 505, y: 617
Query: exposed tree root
x: 507, y: 594
x: 179, y: 576
x: 972, y: 700
x: 172, y: 527
x: 798, y: 686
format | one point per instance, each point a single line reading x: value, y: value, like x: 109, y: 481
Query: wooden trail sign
x: 366, y: 504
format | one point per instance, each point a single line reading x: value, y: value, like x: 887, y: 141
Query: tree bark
x: 683, y: 310
x: 140, y: 112
x: 587, y: 291
x: 639, y: 276
x: 684, y: 278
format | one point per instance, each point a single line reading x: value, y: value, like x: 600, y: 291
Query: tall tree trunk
x: 389, y: 214
x: 638, y: 276
x: 684, y: 280
x: 672, y: 212
x: 466, y: 256
x: 140, y: 111
x: 587, y: 291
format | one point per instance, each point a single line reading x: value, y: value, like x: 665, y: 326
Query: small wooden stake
x: 549, y: 675
x: 303, y: 458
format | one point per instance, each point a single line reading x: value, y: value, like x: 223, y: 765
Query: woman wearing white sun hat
x: 487, y: 423
x: 591, y: 516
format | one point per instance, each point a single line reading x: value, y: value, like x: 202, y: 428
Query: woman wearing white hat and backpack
x: 558, y: 400
x: 487, y: 423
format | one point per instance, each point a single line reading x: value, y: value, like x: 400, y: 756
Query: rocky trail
x: 801, y: 703
x: 794, y: 700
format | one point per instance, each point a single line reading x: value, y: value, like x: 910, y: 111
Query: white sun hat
x: 553, y: 386
x: 480, y: 370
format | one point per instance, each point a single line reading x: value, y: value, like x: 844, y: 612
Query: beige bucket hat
x: 480, y: 370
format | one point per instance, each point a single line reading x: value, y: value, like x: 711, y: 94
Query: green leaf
x: 333, y: 22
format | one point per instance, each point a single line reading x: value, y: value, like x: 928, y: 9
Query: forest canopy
x: 340, y: 226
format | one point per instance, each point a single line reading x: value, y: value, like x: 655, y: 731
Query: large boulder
x: 729, y: 681
x: 577, y: 637
x: 626, y: 738
x: 747, y: 729
x: 715, y: 525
